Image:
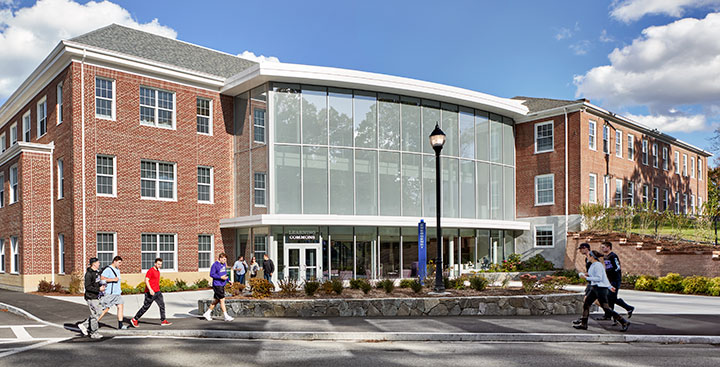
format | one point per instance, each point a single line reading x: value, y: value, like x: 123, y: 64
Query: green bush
x: 416, y: 286
x: 337, y: 286
x: 387, y: 284
x: 630, y: 279
x: 202, y: 283
x: 529, y: 282
x: 695, y: 285
x: 572, y: 276
x: 355, y: 283
x: 311, y: 287
x: 168, y: 289
x: 553, y: 283
x: 181, y: 284
x: 713, y: 288
x: 479, y: 283
x: 140, y: 288
x: 446, y: 282
x: 672, y: 283
x: 365, y: 286
x: 260, y: 287
x: 327, y: 286
x: 457, y: 283
x: 536, y: 263
x: 406, y: 283
x: 645, y: 283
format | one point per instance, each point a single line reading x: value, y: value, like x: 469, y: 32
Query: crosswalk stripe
x: 21, y: 333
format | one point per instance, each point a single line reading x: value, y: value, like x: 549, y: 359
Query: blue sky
x: 505, y: 48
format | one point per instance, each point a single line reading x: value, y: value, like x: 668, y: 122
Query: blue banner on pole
x: 422, y: 252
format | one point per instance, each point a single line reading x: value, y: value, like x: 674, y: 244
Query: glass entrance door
x: 302, y: 262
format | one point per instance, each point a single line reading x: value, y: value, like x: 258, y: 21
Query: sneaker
x: 124, y: 327
x: 625, y: 326
x: 165, y: 323
x: 95, y: 336
x: 228, y: 318
x: 577, y: 321
x: 581, y: 327
x: 603, y: 318
x: 630, y: 312
x: 83, y: 329
x: 207, y: 316
x: 134, y: 322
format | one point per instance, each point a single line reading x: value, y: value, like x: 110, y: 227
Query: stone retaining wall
x: 499, y: 277
x: 553, y: 304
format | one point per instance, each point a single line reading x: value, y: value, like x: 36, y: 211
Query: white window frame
x: 692, y: 167
x: 606, y: 139
x: 656, y: 198
x: 157, y: 108
x: 2, y: 189
x: 684, y: 167
x: 112, y: 100
x: 655, y: 155
x: 645, y: 152
x: 592, y: 135
x: 665, y: 164
x: 630, y: 193
x: 114, y: 175
x: 618, y: 190
x: 60, y: 179
x: 677, y: 202
x: 263, y: 189
x: 685, y: 211
x: 42, y: 107
x: 263, y: 126
x: 3, y: 147
x: 61, y: 253
x: 112, y: 253
x: 544, y: 227
x: 666, y: 198
x: 209, y: 117
x: 677, y: 162
x: 552, y: 136
x: 157, y: 180
x: 606, y: 191
x: 26, y: 127
x: 592, y: 189
x: 618, y: 143
x: 700, y: 164
x: 14, y: 255
x: 157, y: 251
x: 692, y: 203
x: 211, y: 185
x: 59, y: 103
x: 255, y: 250
x: 2, y: 255
x: 645, y: 194
x: 538, y: 178
x: 700, y: 203
x: 210, y: 252
x: 631, y: 146
x: 14, y: 195
x: 13, y: 131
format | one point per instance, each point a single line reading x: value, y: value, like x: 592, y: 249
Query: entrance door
x: 302, y: 262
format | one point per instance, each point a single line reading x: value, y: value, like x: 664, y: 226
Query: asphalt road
x: 204, y: 352
x: 18, y: 334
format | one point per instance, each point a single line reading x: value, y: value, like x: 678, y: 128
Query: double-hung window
x: 677, y: 202
x: 2, y: 255
x: 544, y: 137
x: 259, y: 247
x: 204, y: 116
x: 205, y: 250
x: 618, y: 192
x: 14, y: 193
x: 544, y: 236
x: 677, y: 162
x: 655, y: 155
x: 592, y: 135
x: 259, y: 125
x: 684, y: 167
x: 665, y: 158
x: 2, y: 190
x: 2, y: 143
x: 645, y: 152
x: 157, y: 180
x: 606, y: 139
x: 700, y: 172
x: 106, y: 173
x: 545, y: 189
x: 692, y: 203
x: 592, y: 189
x: 14, y: 255
x: 205, y: 184
x: 60, y: 179
x: 61, y: 253
x: 42, y: 117
x: 157, y: 108
x: 59, y: 103
x: 104, y: 98
x: 685, y: 206
x: 692, y: 167
x: 645, y: 193
x: 13, y: 134
x: 666, y: 196
x: 162, y: 245
x: 656, y: 198
x: 631, y: 146
x: 700, y: 204
x: 105, y: 248
x: 630, y: 193
x: 618, y: 143
x: 27, y: 127
x: 260, y: 188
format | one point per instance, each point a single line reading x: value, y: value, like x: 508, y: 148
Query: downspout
x: 82, y: 158
x: 52, y: 216
x: 567, y: 205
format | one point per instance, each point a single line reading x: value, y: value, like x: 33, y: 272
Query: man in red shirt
x: 152, y: 294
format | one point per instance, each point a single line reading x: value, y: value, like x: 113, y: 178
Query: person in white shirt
x: 600, y: 285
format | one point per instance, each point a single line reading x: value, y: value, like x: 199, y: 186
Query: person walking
x: 268, y: 268
x: 152, y: 294
x: 600, y: 286
x: 254, y: 267
x: 93, y: 288
x: 614, y: 274
x: 584, y: 249
x: 218, y: 273
x: 240, y: 267
x: 113, y: 291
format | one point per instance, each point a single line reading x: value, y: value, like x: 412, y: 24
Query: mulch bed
x: 408, y: 293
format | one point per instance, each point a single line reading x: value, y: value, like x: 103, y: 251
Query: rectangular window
x: 205, y: 184
x: 592, y: 190
x: 157, y: 108
x: 59, y: 103
x: 13, y: 134
x: 631, y: 146
x: 606, y: 139
x: 545, y: 189
x: 692, y: 167
x: 677, y: 162
x: 666, y: 196
x: 104, y: 98
x: 700, y: 172
x: 700, y: 204
x: 2, y: 143
x: 677, y: 203
x: 61, y: 253
x: 592, y: 135
x: 645, y: 194
x: 205, y: 251
x: 618, y: 143
x: 685, y: 206
x: 204, y: 116
x: 105, y: 172
x: 14, y: 194
x: 684, y: 166
x: 692, y: 203
x: 2, y: 190
x: 259, y: 247
x: 42, y: 117
x: 14, y: 255
x: 259, y: 125
x: 105, y: 248
x: 154, y: 245
x: 60, y: 179
x: 630, y: 194
x: 618, y: 192
x: 655, y: 155
x: 157, y: 180
x: 2, y: 255
x: 665, y: 158
x: 645, y: 152
x: 656, y: 198
x: 544, y: 236
x: 260, y: 189
x: 27, y: 127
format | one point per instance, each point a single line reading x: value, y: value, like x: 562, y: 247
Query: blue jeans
x: 240, y: 278
x: 267, y: 276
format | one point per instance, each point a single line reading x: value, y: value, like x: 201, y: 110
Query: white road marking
x: 21, y: 333
x: 43, y: 342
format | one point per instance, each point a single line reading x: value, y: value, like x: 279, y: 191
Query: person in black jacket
x: 93, y: 288
x: 584, y: 249
x: 614, y: 274
x: 268, y: 268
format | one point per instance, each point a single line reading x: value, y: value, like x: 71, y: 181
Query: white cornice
x: 23, y: 147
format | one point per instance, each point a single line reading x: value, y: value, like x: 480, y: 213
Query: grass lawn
x: 688, y: 234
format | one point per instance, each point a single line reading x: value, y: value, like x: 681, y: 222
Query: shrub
x: 672, y: 282
x: 479, y: 283
x: 44, y: 286
x: 365, y: 286
x: 695, y: 285
x: 168, y: 289
x: 446, y: 282
x: 645, y: 283
x: 572, y: 276
x: 260, y: 287
x: 406, y: 283
x: 76, y: 282
x: 629, y: 280
x: 202, y: 283
x: 536, y: 263
x: 387, y: 284
x: 181, y: 284
x: 337, y: 286
x: 311, y: 287
x: 512, y: 263
x: 167, y: 283
x: 355, y: 283
x: 416, y: 286
x: 288, y: 287
x: 125, y: 288
x: 529, y: 282
x: 140, y: 287
x: 553, y: 283
x: 714, y: 286
x: 327, y: 287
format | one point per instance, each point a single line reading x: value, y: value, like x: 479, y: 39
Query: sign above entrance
x: 302, y: 237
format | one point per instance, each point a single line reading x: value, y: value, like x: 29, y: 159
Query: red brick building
x: 574, y: 152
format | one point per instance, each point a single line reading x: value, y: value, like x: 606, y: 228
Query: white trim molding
x: 23, y: 147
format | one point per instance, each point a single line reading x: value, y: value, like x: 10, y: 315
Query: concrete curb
x: 20, y: 312
x: 411, y: 336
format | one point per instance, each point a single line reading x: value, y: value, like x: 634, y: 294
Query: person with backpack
x: 113, y: 292
x: 93, y: 288
x: 219, y: 274
x: 240, y: 267
x: 152, y: 294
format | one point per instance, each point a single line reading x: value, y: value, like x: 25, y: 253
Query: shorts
x: 110, y: 300
x: 219, y: 292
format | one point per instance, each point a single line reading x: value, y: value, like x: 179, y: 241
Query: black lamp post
x: 437, y: 140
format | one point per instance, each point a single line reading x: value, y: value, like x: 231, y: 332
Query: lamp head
x: 437, y: 138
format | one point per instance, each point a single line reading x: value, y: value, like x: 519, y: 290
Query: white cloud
x: 563, y: 33
x: 28, y: 34
x: 262, y: 58
x: 631, y: 10
x: 581, y: 47
x: 604, y: 37
x: 672, y: 122
x: 672, y: 66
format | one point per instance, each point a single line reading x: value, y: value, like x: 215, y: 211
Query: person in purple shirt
x: 218, y: 273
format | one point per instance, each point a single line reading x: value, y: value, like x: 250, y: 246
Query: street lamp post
x: 437, y: 140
